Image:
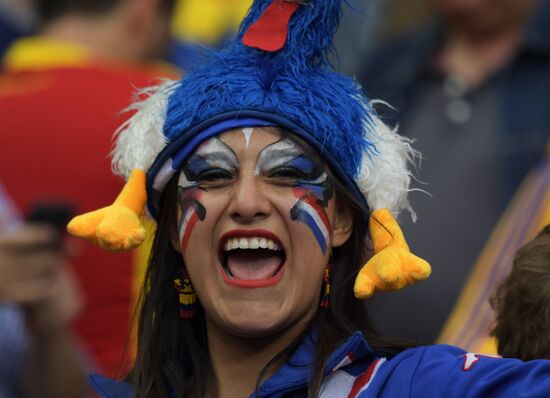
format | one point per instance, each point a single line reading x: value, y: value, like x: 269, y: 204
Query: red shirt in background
x: 57, y: 121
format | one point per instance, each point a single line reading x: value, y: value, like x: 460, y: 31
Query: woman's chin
x: 257, y: 322
x: 251, y: 332
x: 251, y: 324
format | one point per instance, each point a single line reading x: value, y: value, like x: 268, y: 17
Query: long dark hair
x: 172, y: 353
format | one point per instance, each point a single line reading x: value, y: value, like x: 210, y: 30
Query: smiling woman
x: 257, y: 271
x: 274, y: 185
x: 250, y: 194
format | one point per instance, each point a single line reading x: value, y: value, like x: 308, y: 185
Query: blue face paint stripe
x: 302, y: 163
x: 194, y: 166
x: 301, y: 214
x: 317, y: 190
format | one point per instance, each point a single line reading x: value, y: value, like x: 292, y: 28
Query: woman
x: 262, y: 168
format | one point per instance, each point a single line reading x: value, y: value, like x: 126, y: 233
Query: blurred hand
x: 33, y: 274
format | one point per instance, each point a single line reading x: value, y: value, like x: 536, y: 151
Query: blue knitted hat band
x: 172, y: 158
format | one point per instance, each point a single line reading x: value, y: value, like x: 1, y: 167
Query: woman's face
x: 257, y: 220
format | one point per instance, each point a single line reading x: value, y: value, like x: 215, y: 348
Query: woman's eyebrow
x: 216, y: 153
x: 218, y: 158
x: 278, y: 153
x: 200, y: 162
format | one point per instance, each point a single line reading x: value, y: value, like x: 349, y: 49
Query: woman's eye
x: 214, y: 175
x: 286, y: 173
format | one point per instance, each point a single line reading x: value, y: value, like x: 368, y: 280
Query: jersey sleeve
x: 445, y: 371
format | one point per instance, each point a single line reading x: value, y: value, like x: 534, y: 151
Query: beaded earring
x: 325, y: 300
x: 187, y: 296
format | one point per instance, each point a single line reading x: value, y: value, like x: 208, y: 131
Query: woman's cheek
x: 310, y: 209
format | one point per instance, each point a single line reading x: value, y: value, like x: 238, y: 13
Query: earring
x: 187, y: 296
x: 325, y: 301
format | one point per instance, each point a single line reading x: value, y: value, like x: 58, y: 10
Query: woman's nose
x: 249, y: 201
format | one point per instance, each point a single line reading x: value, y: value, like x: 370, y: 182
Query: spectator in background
x: 471, y: 89
x: 472, y: 319
x: 38, y: 354
x: 199, y: 23
x: 17, y: 18
x: 60, y: 101
x: 38, y: 298
x: 522, y: 303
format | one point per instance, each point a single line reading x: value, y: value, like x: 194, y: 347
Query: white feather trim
x: 384, y: 175
x: 140, y: 139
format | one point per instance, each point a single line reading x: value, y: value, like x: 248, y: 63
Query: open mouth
x: 251, y: 258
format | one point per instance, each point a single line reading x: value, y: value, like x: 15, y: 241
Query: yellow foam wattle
x: 117, y: 227
x: 393, y: 266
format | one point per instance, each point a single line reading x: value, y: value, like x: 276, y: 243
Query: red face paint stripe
x: 189, y: 228
x: 312, y: 201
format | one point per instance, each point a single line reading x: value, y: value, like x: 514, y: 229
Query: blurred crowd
x: 468, y: 86
x: 466, y: 80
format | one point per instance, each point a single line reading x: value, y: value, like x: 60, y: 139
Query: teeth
x: 243, y: 243
x: 250, y: 243
x: 254, y: 243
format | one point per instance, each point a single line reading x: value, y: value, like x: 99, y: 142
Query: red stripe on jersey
x: 362, y: 380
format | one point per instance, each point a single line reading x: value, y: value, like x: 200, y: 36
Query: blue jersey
x: 354, y: 370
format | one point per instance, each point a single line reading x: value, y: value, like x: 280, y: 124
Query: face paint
x: 212, y: 161
x: 247, y: 131
x: 191, y: 209
x: 309, y: 210
x: 313, y: 187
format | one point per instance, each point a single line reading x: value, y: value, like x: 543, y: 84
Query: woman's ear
x: 342, y: 226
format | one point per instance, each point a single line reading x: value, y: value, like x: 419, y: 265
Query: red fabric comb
x: 269, y: 31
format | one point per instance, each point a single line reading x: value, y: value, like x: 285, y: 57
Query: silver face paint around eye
x: 277, y: 154
x: 213, y: 154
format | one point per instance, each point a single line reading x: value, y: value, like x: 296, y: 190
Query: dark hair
x: 522, y: 303
x: 49, y: 10
x: 173, y: 353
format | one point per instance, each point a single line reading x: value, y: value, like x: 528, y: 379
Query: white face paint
x: 212, y: 155
x: 277, y: 154
x: 247, y: 131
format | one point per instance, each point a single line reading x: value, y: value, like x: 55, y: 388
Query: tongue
x: 253, y: 264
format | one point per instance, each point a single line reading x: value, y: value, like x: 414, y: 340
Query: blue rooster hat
x: 275, y: 72
x: 290, y: 84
